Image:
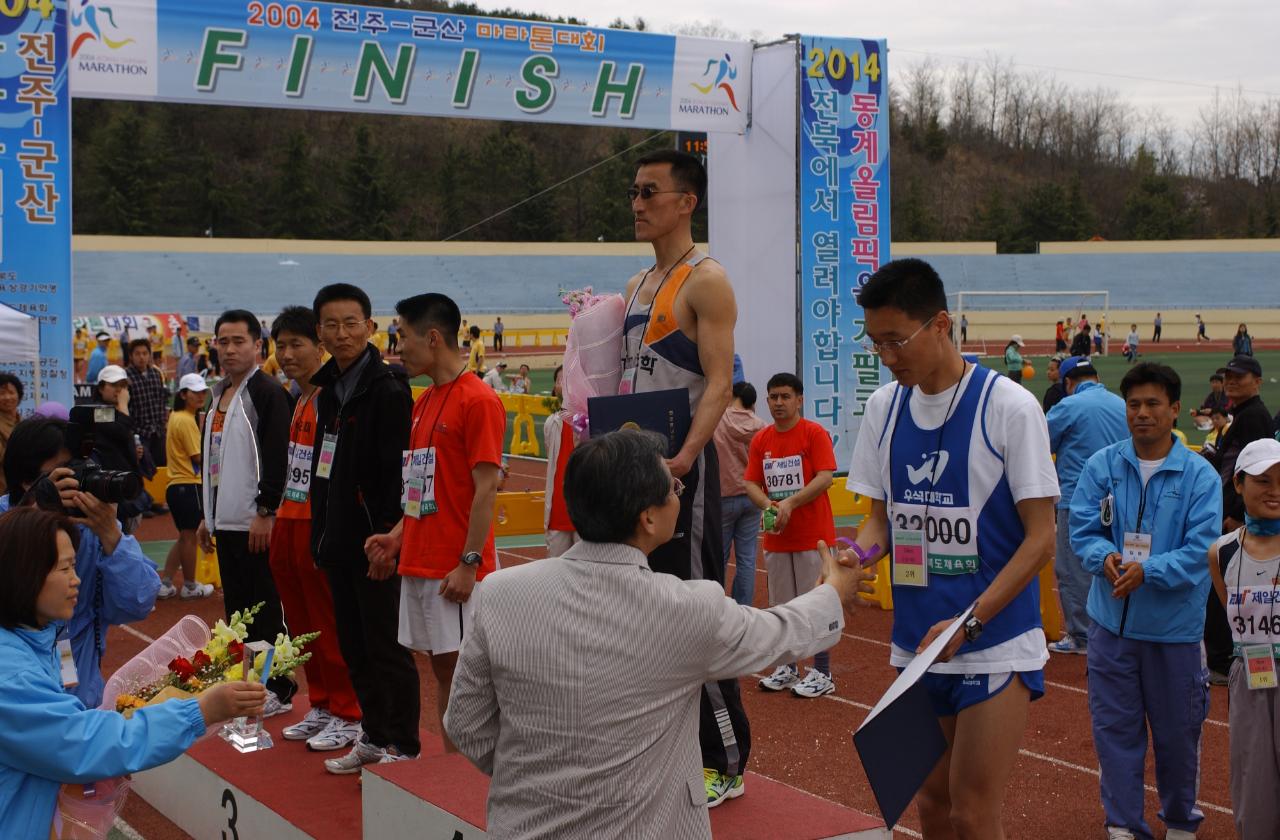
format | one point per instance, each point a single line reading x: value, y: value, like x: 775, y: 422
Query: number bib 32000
x: 783, y: 477
x: 947, y: 538
x: 418, y: 482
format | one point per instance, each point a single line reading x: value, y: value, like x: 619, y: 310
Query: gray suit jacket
x: 577, y: 689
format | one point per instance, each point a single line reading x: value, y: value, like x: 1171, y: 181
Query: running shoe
x: 391, y: 755
x: 1068, y: 644
x: 167, y: 590
x: 274, y: 707
x: 315, y: 722
x: 361, y: 754
x: 195, y: 590
x: 781, y: 679
x: 339, y: 734
x: 814, y: 684
x: 721, y: 786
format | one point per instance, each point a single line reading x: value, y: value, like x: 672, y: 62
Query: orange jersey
x: 296, y: 503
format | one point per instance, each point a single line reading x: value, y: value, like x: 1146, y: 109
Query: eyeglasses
x: 677, y: 487
x: 878, y: 347
x: 649, y: 192
x: 348, y: 326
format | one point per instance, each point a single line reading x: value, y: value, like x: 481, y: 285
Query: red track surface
x: 806, y: 743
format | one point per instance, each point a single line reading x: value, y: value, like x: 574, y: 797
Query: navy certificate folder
x: 899, y: 748
x: 664, y: 412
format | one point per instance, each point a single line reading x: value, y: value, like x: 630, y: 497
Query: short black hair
x: 602, y: 508
x: 432, y: 311
x: 7, y: 378
x: 910, y: 284
x: 785, y: 380
x: 474, y: 331
x: 135, y: 344
x: 687, y: 170
x: 240, y: 316
x: 32, y: 442
x: 1217, y: 377
x: 29, y: 546
x: 1217, y: 409
x: 191, y: 339
x: 298, y: 320
x: 342, y: 291
x: 1153, y: 373
x: 745, y: 392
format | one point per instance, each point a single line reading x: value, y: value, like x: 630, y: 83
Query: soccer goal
x: 992, y: 317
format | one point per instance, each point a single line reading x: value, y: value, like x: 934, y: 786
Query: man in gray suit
x: 577, y: 685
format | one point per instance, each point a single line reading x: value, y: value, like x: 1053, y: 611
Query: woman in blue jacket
x: 47, y: 736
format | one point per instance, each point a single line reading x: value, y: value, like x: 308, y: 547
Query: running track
x: 806, y: 743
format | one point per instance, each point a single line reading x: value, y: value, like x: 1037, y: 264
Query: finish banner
x: 844, y: 226
x: 35, y: 191
x: 341, y: 57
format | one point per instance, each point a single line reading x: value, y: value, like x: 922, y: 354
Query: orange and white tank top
x: 657, y: 356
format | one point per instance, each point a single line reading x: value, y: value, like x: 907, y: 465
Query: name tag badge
x: 67, y: 662
x: 1137, y: 547
x: 627, y: 385
x: 1260, y: 664
x: 325, y: 465
x: 298, y: 481
x: 909, y: 567
x: 413, y: 498
x: 215, y: 457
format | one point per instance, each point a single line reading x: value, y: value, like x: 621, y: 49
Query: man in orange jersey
x: 449, y: 479
x: 333, y: 722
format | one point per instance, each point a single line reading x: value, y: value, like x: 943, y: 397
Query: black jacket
x: 1250, y: 421
x: 361, y: 497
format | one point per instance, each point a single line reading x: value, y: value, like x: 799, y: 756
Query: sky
x: 1164, y: 53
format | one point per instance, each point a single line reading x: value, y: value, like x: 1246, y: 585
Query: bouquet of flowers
x: 593, y: 354
x: 149, y: 678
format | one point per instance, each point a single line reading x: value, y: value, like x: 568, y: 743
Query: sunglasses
x: 649, y: 192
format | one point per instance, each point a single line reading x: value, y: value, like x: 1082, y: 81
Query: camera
x: 111, y: 486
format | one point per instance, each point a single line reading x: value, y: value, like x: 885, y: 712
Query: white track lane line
x: 136, y: 633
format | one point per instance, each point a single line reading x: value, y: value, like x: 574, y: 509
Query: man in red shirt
x: 450, y: 483
x: 789, y: 468
x: 333, y: 721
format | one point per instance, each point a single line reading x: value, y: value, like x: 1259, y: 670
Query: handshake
x: 848, y: 571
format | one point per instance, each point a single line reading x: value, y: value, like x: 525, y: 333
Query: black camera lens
x: 111, y: 486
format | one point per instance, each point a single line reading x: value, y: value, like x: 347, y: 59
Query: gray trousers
x: 1073, y: 583
x: 1254, y: 718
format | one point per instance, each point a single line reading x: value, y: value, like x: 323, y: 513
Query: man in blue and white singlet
x: 955, y: 459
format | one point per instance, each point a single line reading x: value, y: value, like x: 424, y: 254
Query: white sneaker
x: 1115, y: 832
x: 783, y: 677
x: 315, y: 722
x: 274, y: 707
x: 167, y: 590
x: 338, y: 735
x: 814, y: 684
x: 1068, y: 644
x: 361, y: 754
x: 1179, y: 834
x: 195, y: 590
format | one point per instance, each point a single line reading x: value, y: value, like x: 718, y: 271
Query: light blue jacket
x: 48, y: 738
x: 115, y: 588
x: 1084, y: 421
x: 1181, y: 507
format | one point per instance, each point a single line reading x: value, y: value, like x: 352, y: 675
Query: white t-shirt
x: 1017, y: 430
x: 494, y: 379
x: 1148, y: 469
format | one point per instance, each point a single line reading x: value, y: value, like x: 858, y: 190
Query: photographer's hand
x: 99, y: 517
x: 63, y: 478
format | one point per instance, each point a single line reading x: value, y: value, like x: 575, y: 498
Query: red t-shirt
x: 302, y: 447
x: 465, y: 422
x: 811, y: 443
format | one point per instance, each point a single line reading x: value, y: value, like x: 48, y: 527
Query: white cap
x: 1017, y: 339
x: 192, y: 382
x: 1259, y: 456
x: 111, y: 374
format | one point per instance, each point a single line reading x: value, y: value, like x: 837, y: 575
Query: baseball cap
x: 1076, y: 366
x: 1259, y: 456
x: 1017, y: 339
x: 111, y: 374
x: 502, y: 364
x: 1244, y: 364
x: 192, y: 382
x: 102, y: 336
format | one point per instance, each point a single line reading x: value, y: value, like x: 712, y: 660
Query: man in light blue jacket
x: 1144, y: 514
x: 1087, y: 419
x: 117, y: 581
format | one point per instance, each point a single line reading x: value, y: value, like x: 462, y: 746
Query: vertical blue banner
x: 844, y: 225
x: 35, y: 188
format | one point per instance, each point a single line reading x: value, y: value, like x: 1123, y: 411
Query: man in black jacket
x: 362, y: 415
x: 1251, y: 421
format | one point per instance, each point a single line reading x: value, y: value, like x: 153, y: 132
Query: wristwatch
x: 471, y: 558
x: 265, y: 511
x: 973, y: 628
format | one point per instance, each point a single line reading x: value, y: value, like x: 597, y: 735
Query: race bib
x: 948, y: 537
x: 327, y: 448
x: 1254, y: 613
x: 783, y: 477
x: 418, y: 483
x: 67, y: 664
x: 215, y: 457
x: 298, y: 481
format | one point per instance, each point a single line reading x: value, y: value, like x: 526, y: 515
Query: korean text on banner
x: 339, y: 56
x: 35, y: 187
x: 844, y: 225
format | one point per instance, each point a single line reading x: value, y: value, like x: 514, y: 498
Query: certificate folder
x: 664, y: 412
x: 899, y: 749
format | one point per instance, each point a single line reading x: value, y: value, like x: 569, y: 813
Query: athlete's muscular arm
x: 1035, y: 551
x: 874, y: 531
x: 715, y: 311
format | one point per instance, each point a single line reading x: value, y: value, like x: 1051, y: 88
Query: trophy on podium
x: 246, y: 733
